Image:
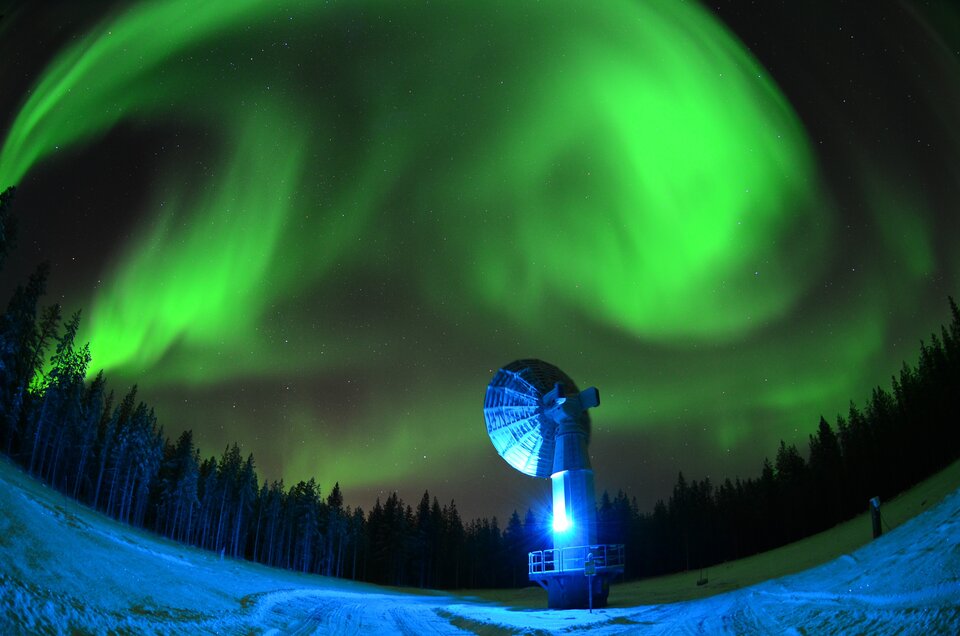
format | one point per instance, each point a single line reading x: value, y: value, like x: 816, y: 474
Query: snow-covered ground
x: 64, y: 568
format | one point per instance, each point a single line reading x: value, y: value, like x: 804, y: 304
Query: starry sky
x: 317, y: 229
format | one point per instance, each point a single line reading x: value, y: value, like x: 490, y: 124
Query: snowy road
x: 330, y: 612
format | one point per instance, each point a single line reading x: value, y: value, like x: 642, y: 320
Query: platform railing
x: 609, y: 557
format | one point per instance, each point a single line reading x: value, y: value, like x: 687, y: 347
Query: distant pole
x: 590, y: 570
x: 875, y: 516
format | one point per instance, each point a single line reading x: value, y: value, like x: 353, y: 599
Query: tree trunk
x: 81, y: 465
x: 36, y: 435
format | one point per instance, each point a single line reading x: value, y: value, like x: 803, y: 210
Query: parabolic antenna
x: 537, y: 420
x: 517, y: 413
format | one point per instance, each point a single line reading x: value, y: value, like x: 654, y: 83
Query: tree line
x: 898, y: 438
x: 109, y: 452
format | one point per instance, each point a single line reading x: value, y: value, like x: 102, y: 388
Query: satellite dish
x: 525, y: 402
x: 537, y: 420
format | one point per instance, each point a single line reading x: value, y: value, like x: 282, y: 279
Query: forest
x: 108, y: 451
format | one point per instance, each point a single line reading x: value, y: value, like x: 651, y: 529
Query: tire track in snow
x: 315, y: 611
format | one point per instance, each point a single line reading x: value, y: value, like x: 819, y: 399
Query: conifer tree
x: 19, y: 338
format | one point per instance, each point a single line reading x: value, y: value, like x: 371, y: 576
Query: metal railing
x: 608, y: 557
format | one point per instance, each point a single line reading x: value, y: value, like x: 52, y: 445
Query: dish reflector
x: 514, y: 412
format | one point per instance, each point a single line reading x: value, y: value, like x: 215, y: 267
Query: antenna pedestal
x: 568, y: 574
x: 577, y: 572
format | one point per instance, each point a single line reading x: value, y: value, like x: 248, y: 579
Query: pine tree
x: 793, y: 508
x: 424, y: 540
x: 336, y: 532
x: 60, y: 396
x: 246, y: 493
x: 86, y: 434
x: 18, y: 341
x: 453, y: 544
x: 532, y: 532
x: 514, y: 551
x: 358, y: 542
x: 826, y: 470
x: 179, y: 476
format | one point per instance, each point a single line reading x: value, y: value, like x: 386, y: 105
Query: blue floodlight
x: 561, y: 523
x: 561, y: 511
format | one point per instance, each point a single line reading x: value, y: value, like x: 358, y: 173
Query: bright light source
x: 561, y: 520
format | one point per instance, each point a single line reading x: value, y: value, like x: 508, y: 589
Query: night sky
x: 317, y: 229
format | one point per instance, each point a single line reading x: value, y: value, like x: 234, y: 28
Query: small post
x: 875, y: 517
x: 590, y: 570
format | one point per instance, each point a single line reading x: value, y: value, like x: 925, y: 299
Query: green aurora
x: 394, y: 200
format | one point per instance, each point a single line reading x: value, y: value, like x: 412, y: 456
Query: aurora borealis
x: 318, y: 229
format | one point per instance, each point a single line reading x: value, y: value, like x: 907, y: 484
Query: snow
x: 64, y: 568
